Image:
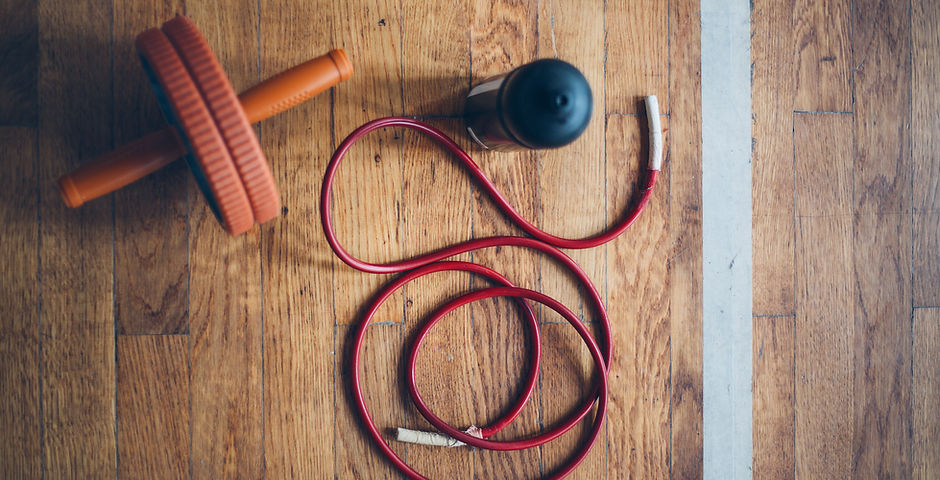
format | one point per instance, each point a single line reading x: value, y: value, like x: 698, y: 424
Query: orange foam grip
x: 120, y: 167
x: 295, y: 86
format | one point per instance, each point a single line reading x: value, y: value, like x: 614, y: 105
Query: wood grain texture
x: 824, y: 325
x: 564, y: 173
x: 297, y: 276
x: 822, y: 42
x: 566, y: 379
x: 772, y: 88
x: 882, y: 345
x: 19, y: 49
x: 685, y: 250
x: 444, y: 374
x: 384, y: 392
x: 503, y: 36
x: 772, y: 254
x: 225, y: 290
x: 435, y: 62
x: 823, y: 346
x: 153, y: 406
x: 20, y: 449
x: 925, y: 117
x: 501, y: 357
x: 435, y: 212
x: 881, y: 42
x: 882, y: 240
x: 828, y: 192
x: 638, y: 304
x: 579, y: 166
x: 926, y: 407
x: 926, y: 238
x: 368, y: 190
x: 151, y: 269
x: 76, y: 314
x: 637, y: 55
x: 773, y: 397
x: 255, y: 384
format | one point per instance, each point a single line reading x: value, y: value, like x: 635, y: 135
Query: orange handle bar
x: 148, y: 154
x: 297, y: 85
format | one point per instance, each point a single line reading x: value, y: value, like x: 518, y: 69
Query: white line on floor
x: 726, y: 238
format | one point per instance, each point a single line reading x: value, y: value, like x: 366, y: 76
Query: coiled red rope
x: 435, y: 262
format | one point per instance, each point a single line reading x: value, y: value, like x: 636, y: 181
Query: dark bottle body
x: 543, y: 104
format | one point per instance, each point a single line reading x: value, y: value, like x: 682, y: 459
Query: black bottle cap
x: 546, y: 103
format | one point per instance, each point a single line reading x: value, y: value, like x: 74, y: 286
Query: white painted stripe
x: 726, y: 238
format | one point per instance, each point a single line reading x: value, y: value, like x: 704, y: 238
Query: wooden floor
x: 141, y: 341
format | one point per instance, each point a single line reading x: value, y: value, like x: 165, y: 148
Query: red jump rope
x: 210, y: 127
x: 435, y: 262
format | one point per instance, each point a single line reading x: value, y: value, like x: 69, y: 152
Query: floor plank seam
x: 822, y: 112
x: 150, y: 334
x: 911, y: 278
x: 38, y: 171
x: 616, y: 113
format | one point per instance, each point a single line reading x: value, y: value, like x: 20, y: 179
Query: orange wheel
x: 228, y: 114
x: 185, y: 109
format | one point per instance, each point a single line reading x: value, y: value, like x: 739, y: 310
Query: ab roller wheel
x: 210, y: 126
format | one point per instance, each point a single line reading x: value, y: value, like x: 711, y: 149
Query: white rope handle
x: 656, y: 133
x: 433, y: 439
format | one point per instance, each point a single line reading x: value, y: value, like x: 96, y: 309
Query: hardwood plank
x: 638, y: 282
x: 20, y: 448
x: 225, y: 290
x: 153, y: 406
x: 882, y: 345
x: 772, y: 90
x: 368, y: 190
x: 925, y: 51
x: 685, y: 254
x: 435, y: 212
x: 882, y: 239
x: 926, y: 407
x: 76, y: 246
x: 386, y: 397
x: 445, y: 371
x: 829, y: 191
x: 297, y: 278
x: 151, y: 269
x: 823, y: 348
x: 925, y: 45
x: 926, y: 238
x: 772, y: 250
x: 637, y: 55
x: 503, y: 36
x: 821, y: 39
x: 823, y: 365
x: 773, y: 397
x: 435, y: 62
x: 500, y: 358
x: 881, y: 40
x: 567, y: 373
x: 578, y: 167
x: 19, y: 49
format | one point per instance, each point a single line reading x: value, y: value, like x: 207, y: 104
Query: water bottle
x: 543, y: 104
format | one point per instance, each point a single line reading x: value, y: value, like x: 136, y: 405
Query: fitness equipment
x: 209, y: 125
x: 543, y: 104
x: 436, y: 261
